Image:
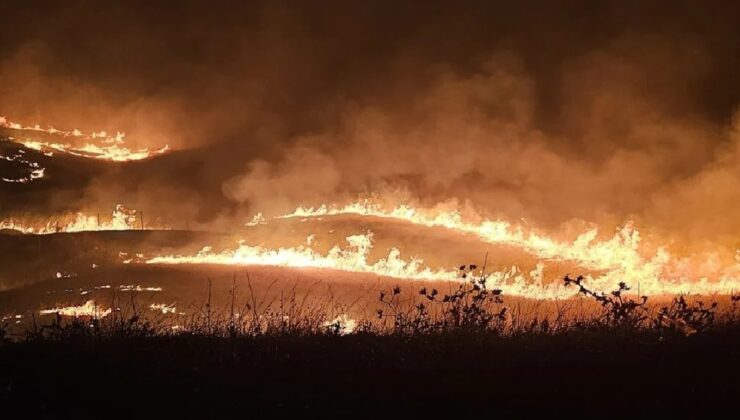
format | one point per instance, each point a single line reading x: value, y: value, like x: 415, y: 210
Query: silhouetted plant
x: 619, y: 310
x: 735, y: 300
x: 393, y: 309
x: 472, y: 307
x: 686, y: 318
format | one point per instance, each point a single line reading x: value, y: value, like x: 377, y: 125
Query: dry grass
x: 470, y: 309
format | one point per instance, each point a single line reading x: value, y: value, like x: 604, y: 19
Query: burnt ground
x: 592, y: 373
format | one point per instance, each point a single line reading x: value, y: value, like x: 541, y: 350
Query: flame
x: 35, y: 174
x: 620, y: 257
x: 618, y: 251
x: 89, y: 309
x: 36, y: 171
x: 111, y: 152
x: 138, y: 288
x: 616, y: 259
x: 163, y: 308
x: 121, y: 219
x: 104, y: 146
x: 353, y: 258
x: 346, y: 324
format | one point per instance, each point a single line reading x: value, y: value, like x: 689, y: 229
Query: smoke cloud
x: 598, y: 112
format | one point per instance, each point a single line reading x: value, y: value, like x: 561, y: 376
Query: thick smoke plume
x: 599, y: 112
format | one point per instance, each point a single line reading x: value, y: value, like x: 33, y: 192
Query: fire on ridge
x: 612, y: 260
x: 617, y: 259
x: 121, y: 218
x: 99, y: 145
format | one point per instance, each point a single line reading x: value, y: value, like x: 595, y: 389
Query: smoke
x: 598, y: 112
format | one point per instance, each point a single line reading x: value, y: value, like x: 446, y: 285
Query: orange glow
x: 353, y: 258
x: 35, y: 171
x: 88, y: 309
x: 100, y: 145
x: 619, y: 257
x: 121, y: 219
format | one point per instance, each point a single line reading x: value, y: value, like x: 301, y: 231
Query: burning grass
x: 120, y: 219
x: 97, y: 145
x: 469, y: 307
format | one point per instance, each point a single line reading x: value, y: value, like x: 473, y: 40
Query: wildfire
x: 100, y: 144
x: 345, y: 324
x: 355, y: 258
x: 609, y: 261
x: 112, y: 152
x: 352, y: 258
x: 121, y: 219
x: 620, y: 257
x: 163, y: 308
x: 616, y: 259
x: 619, y: 251
x: 35, y: 171
x: 89, y: 309
x: 138, y: 288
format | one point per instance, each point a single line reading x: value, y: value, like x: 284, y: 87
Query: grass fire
x: 369, y: 209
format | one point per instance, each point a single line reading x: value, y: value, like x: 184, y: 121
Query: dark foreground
x: 596, y: 373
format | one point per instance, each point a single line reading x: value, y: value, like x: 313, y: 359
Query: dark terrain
x: 596, y: 374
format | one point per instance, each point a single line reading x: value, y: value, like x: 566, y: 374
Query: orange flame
x: 354, y: 258
x: 36, y: 171
x: 88, y: 309
x: 122, y: 219
x: 108, y: 148
x: 620, y: 257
